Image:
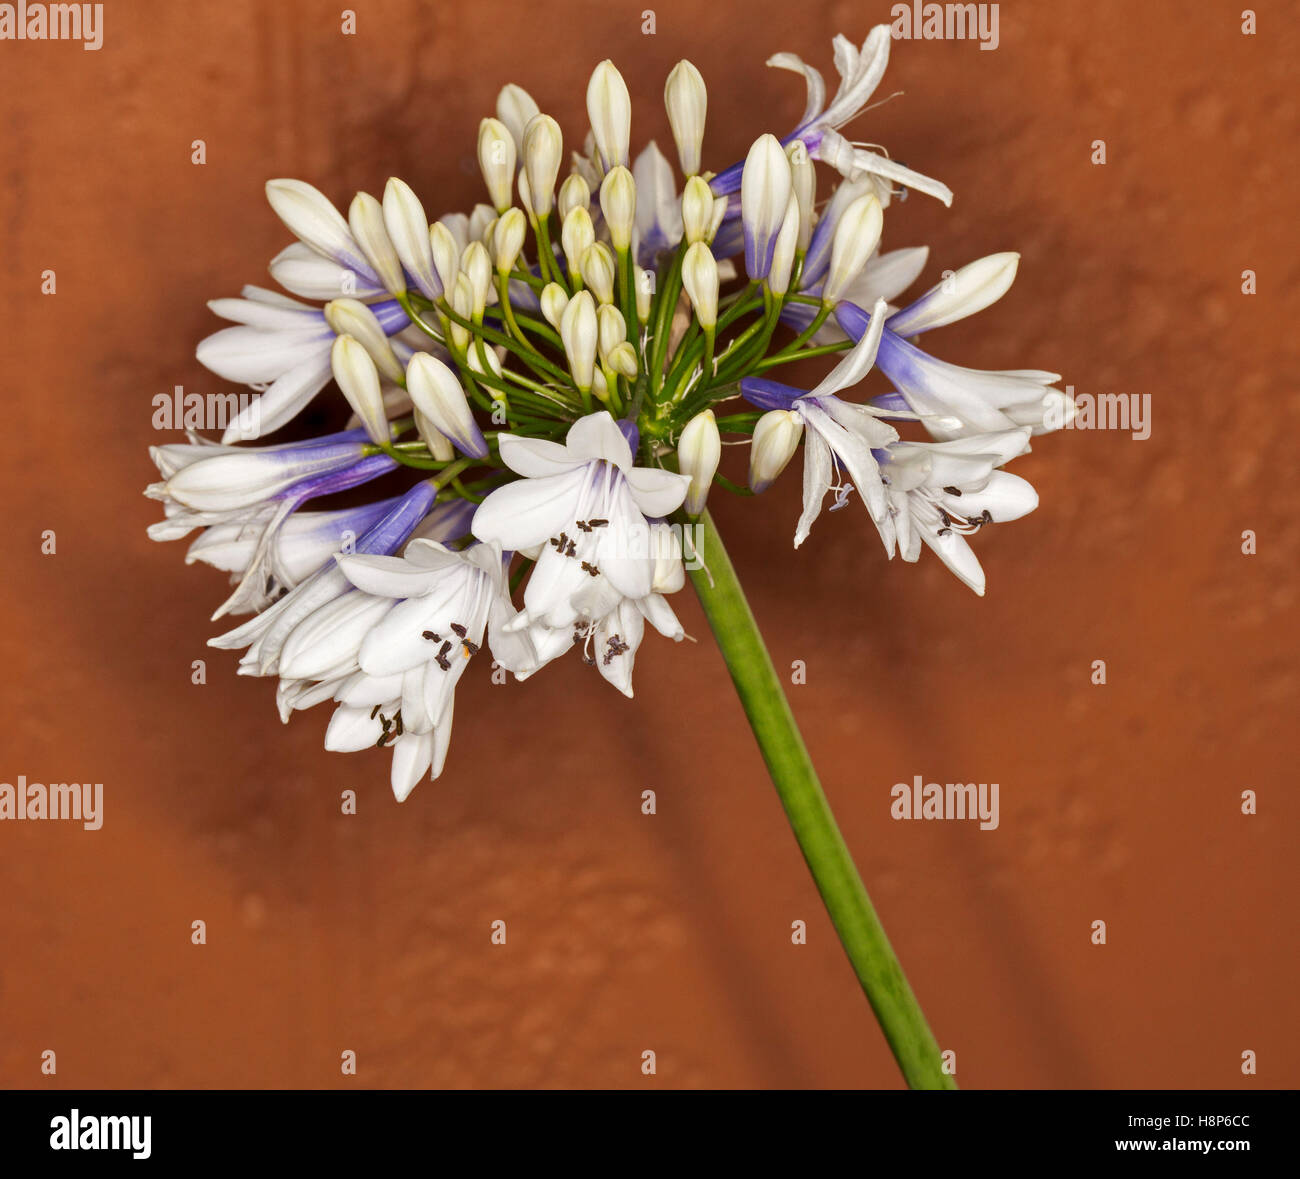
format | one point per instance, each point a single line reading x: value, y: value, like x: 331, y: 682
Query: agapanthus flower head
x: 561, y: 371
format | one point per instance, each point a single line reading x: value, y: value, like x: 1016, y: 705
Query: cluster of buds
x: 552, y: 365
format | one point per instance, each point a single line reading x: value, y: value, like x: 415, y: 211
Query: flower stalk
x: 827, y: 855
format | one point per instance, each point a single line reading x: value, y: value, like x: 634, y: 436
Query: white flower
x: 943, y: 492
x: 860, y: 72
x: 583, y: 508
x: 839, y: 434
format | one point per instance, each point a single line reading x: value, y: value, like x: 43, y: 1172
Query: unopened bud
x: 496, y: 158
x: 618, y: 203
x: 700, y: 279
x: 699, y: 450
x: 776, y: 438
x: 358, y: 378
x: 687, y: 101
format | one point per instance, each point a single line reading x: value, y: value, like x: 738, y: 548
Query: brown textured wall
x: 1119, y: 802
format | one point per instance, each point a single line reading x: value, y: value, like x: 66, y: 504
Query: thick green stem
x: 824, y: 849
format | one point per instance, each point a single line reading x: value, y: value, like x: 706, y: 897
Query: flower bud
x: 598, y: 271
x: 315, y: 221
x: 776, y: 438
x: 578, y: 331
x: 577, y: 236
x: 612, y: 331
x: 856, y: 238
x: 543, y: 147
x: 778, y: 278
x: 970, y: 289
x: 508, y: 240
x: 366, y: 218
x: 462, y: 303
x: 803, y: 179
x: 480, y: 221
x: 476, y: 267
x: 622, y: 360
x: 575, y: 193
x: 438, y: 443
x: 438, y: 395
x: 515, y: 106
x: 358, y: 378
x: 699, y: 450
x: 599, y: 386
x: 618, y: 203
x: 446, y: 255
x: 697, y: 211
x: 645, y: 294
x: 475, y: 361
x: 554, y: 301
x: 610, y: 109
x: 764, y: 193
x: 700, y: 279
x: 350, y: 317
x: 687, y: 101
x: 408, y: 229
x: 496, y: 158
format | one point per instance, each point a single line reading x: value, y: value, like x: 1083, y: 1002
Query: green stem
x: 863, y: 937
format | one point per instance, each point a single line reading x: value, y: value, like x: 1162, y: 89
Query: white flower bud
x: 315, y: 221
x: 622, y: 360
x: 578, y: 331
x: 509, y: 239
x: 366, y: 218
x: 610, y: 109
x: 480, y: 221
x: 437, y: 394
x: 971, y: 289
x: 408, y: 228
x: 543, y: 147
x: 599, y: 386
x: 554, y: 301
x: 645, y: 294
x: 577, y: 236
x: 856, y: 238
x: 476, y: 268
x: 699, y: 450
x: 350, y: 317
x: 598, y: 271
x: 803, y: 178
x: 358, y: 378
x: 697, y: 211
x: 496, y: 158
x: 574, y: 194
x: 438, y: 443
x: 462, y: 303
x: 687, y: 101
x: 515, y: 106
x: 612, y: 331
x: 719, y: 212
x: 475, y: 361
x: 778, y: 278
x: 618, y: 203
x: 700, y: 279
x: 446, y: 255
x: 776, y: 438
x: 764, y: 193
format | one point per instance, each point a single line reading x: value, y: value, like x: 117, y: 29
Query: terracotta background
x: 325, y: 932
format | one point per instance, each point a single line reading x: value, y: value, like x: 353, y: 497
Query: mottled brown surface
x: 672, y: 933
